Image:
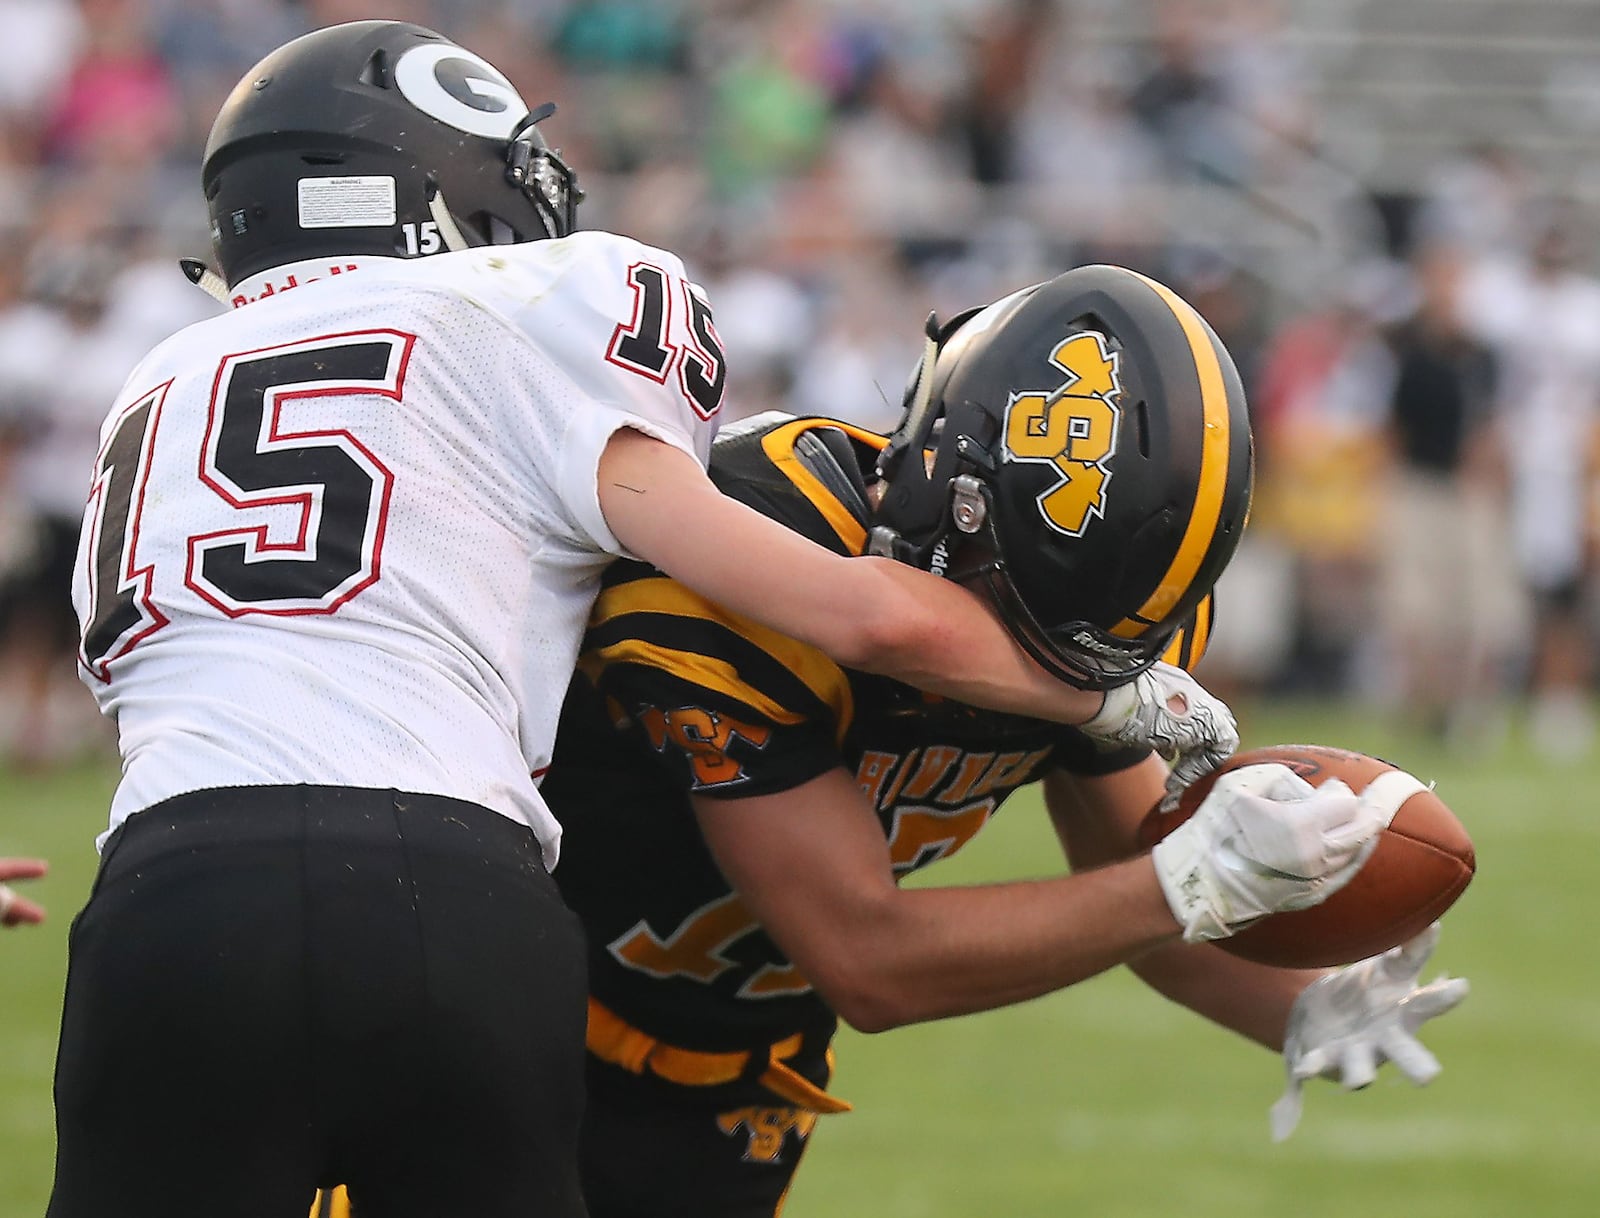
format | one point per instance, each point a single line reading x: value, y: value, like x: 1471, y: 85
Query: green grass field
x: 1103, y: 1101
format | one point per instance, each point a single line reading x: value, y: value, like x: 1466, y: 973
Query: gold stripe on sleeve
x: 659, y: 594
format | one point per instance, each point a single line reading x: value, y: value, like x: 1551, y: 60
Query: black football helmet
x: 377, y: 137
x: 1080, y: 451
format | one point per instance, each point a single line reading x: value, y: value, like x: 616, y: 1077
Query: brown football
x: 1423, y: 862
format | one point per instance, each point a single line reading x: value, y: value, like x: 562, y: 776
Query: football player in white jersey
x: 338, y: 552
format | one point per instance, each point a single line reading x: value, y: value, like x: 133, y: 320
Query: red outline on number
x: 631, y: 330
x: 304, y: 500
x: 157, y: 398
x: 700, y: 353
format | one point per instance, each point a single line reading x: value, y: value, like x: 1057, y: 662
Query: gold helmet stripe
x: 1213, y: 482
x: 1204, y: 615
x: 1188, y: 646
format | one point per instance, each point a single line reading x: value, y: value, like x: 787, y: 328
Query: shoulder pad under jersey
x: 806, y: 473
x: 618, y: 318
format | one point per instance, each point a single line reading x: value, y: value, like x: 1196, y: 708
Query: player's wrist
x: 1118, y: 707
x: 1092, y: 719
x: 1188, y: 880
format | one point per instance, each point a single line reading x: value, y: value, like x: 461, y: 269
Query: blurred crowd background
x: 1386, y: 208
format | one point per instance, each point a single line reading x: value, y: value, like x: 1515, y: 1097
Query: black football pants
x: 276, y: 988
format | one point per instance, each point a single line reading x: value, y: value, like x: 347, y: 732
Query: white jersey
x: 349, y: 532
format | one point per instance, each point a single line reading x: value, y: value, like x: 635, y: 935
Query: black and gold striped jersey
x: 675, y: 697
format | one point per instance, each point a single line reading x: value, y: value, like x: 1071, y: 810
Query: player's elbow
x: 867, y: 1008
x: 880, y: 644
x: 865, y: 994
x: 883, y: 629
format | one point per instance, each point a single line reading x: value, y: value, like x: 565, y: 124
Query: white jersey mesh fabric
x: 349, y: 532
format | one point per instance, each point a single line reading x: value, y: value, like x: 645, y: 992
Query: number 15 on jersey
x: 251, y: 461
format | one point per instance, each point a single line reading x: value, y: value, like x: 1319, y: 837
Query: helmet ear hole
x: 1141, y: 426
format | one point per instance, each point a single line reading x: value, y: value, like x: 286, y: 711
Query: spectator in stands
x: 119, y: 103
x: 1319, y: 404
x: 1445, y: 573
x: 1089, y: 170
x: 67, y: 274
x: 1182, y: 102
x: 1479, y: 201
x: 1541, y: 318
x: 627, y: 59
x: 43, y: 40
x: 1004, y: 54
x: 769, y: 102
x: 27, y: 335
x: 897, y: 170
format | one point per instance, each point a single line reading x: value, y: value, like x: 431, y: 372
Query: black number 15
x: 253, y: 462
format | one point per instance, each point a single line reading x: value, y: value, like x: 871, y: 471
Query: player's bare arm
x: 813, y: 866
x: 867, y: 613
x: 873, y: 614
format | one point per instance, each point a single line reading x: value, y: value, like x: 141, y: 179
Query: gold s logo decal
x: 1073, y: 428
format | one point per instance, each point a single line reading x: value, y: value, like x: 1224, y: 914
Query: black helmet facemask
x: 534, y: 168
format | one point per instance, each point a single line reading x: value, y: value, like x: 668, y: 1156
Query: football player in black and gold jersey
x: 738, y: 808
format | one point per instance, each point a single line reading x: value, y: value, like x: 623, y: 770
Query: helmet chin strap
x: 204, y: 278
x: 912, y: 426
x: 449, y: 233
x: 922, y: 397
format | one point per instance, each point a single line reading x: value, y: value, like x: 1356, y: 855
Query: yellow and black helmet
x: 1085, y: 459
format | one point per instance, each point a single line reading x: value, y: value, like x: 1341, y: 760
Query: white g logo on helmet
x: 458, y: 88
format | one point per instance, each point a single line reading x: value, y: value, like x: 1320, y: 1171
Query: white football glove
x: 1344, y: 1025
x: 1168, y: 710
x: 1264, y: 840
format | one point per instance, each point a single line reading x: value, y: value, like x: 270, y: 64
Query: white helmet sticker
x: 456, y: 87
x: 351, y: 202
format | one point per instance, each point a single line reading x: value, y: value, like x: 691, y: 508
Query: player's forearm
x: 867, y: 613
x: 941, y: 952
x: 1250, y: 999
x: 940, y: 637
